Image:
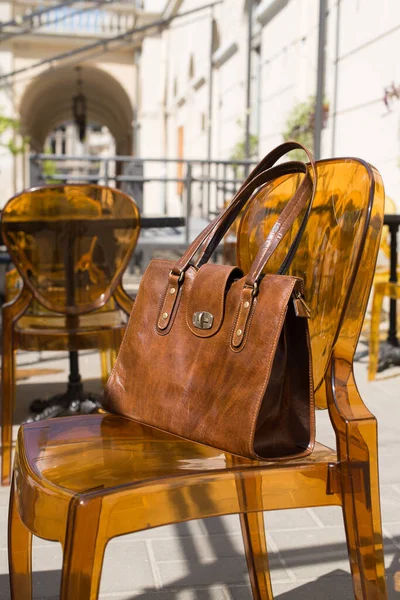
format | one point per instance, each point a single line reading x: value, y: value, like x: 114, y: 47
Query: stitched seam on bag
x: 310, y: 447
x: 129, y: 321
x: 311, y: 443
x: 173, y: 313
x: 221, y: 309
x: 249, y: 318
x: 272, y: 353
x: 234, y: 322
x: 307, y: 451
x: 247, y: 329
x: 161, y: 304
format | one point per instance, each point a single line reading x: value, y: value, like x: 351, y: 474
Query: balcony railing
x: 97, y: 18
x: 196, y: 189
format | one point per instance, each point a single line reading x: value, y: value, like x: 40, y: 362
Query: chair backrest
x: 390, y: 209
x: 71, y: 243
x: 336, y: 257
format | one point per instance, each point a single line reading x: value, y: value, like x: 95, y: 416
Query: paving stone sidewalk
x: 204, y: 560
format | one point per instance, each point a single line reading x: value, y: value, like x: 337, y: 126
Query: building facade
x: 50, y: 52
x: 194, y: 80
x: 185, y: 87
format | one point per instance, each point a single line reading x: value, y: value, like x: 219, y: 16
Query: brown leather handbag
x: 221, y: 357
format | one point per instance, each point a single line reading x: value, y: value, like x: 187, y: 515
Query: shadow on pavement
x: 335, y: 585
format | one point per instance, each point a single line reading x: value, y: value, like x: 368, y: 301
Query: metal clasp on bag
x: 301, y: 309
x: 203, y: 320
x: 181, y: 276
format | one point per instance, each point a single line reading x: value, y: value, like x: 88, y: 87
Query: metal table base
x: 75, y: 400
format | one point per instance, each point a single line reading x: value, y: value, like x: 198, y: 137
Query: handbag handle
x: 264, y: 172
x: 283, y: 224
x: 266, y: 163
x: 211, y: 236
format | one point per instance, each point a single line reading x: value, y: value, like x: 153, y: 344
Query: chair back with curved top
x: 133, y: 477
x: 332, y: 255
x: 71, y: 243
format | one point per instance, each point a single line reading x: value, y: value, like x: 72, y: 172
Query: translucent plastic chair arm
x: 18, y: 304
x: 344, y: 401
x: 123, y: 299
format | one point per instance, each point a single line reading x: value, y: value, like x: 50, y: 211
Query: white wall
x: 369, y: 39
x: 369, y: 47
x: 7, y: 171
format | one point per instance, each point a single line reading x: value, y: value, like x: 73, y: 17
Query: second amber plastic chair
x: 70, y: 245
x: 382, y: 289
x: 84, y: 480
x: 13, y: 285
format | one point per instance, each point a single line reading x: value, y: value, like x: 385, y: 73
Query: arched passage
x: 47, y: 102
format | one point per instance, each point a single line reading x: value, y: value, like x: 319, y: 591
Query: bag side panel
x: 196, y: 387
x: 285, y: 426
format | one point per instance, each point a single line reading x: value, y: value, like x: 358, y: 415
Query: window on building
x: 175, y: 89
x: 180, y: 169
x: 63, y: 140
x: 216, y: 38
x: 246, y: 4
x: 191, y: 67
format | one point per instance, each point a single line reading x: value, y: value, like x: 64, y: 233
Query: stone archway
x: 47, y: 102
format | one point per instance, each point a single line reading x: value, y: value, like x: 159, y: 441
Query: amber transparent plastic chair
x: 13, y: 284
x: 130, y: 477
x: 70, y: 245
x: 382, y: 288
x: 230, y: 241
x: 382, y: 270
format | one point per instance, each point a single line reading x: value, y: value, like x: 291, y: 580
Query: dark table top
x: 92, y: 226
x: 149, y: 222
x: 145, y: 223
x: 392, y: 219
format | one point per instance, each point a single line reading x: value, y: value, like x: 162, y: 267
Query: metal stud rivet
x: 172, y: 291
x: 165, y: 316
x: 239, y: 332
x: 246, y: 304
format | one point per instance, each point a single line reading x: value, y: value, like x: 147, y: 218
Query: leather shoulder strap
x: 282, y: 225
x: 266, y: 163
x: 210, y: 237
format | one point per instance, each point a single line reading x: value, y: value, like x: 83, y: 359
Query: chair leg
x: 8, y: 394
x: 117, y: 340
x: 362, y: 518
x: 83, y: 552
x: 19, y: 554
x: 104, y: 366
x: 113, y: 356
x: 255, y: 546
x: 374, y: 330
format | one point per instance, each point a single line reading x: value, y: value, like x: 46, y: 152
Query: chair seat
x: 47, y: 322
x: 102, y: 329
x: 92, y: 452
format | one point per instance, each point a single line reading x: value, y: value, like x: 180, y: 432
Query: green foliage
x: 49, y: 168
x: 10, y: 125
x: 239, y: 150
x: 300, y: 125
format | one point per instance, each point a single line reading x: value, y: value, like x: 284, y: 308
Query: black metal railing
x: 188, y: 188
